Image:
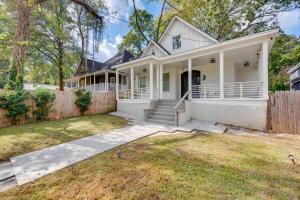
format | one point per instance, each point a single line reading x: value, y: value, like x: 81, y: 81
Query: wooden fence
x: 284, y: 112
x: 64, y: 106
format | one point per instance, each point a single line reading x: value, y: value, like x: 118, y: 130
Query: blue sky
x: 116, y: 29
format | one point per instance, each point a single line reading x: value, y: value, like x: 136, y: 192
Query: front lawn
x: 186, y: 166
x: 30, y: 137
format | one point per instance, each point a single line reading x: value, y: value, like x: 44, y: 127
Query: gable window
x: 153, y: 52
x: 166, y: 82
x: 176, y: 42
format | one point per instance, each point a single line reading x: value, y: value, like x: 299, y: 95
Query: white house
x: 188, y: 75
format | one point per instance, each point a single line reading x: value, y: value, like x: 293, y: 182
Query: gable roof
x: 189, y: 25
x: 121, y: 57
x: 93, y: 65
x: 158, y: 46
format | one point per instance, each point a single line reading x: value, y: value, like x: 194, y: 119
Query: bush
x: 14, y: 103
x: 43, y: 99
x: 84, y: 100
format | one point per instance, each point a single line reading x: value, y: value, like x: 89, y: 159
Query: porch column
x: 157, y: 81
x: 117, y: 84
x: 132, y: 82
x: 106, y: 81
x: 151, y: 80
x: 94, y: 82
x: 161, y: 77
x: 85, y: 81
x: 190, y: 77
x: 222, y: 75
x: 265, y: 64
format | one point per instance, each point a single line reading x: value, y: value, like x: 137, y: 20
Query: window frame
x: 176, y: 42
x: 166, y: 83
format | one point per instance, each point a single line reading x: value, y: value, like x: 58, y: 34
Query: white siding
x: 196, y: 39
x: 158, y: 52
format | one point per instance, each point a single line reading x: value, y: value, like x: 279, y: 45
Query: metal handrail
x: 182, y: 99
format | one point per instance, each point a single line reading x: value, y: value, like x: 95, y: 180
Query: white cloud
x: 118, y: 39
x: 109, y: 49
x: 289, y: 21
x: 122, y: 9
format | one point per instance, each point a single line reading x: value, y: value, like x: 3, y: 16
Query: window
x: 153, y: 52
x: 176, y: 42
x: 166, y: 82
x: 142, y: 82
x: 112, y: 79
x: 124, y: 80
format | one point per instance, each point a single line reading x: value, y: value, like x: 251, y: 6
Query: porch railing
x: 101, y: 87
x: 138, y: 93
x: 251, y: 89
x: 206, y: 91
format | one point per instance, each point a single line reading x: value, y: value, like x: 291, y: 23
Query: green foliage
x: 285, y: 54
x: 14, y: 103
x: 84, y: 100
x: 43, y: 99
x: 229, y: 19
x: 133, y: 41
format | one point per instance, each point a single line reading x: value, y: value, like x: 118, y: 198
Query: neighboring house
x: 99, y: 76
x: 188, y: 75
x: 294, y: 73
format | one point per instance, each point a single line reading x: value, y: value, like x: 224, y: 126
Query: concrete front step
x: 170, y: 114
x: 165, y: 107
x: 168, y: 118
x: 159, y: 121
x: 164, y: 110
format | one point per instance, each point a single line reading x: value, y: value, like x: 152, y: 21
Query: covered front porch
x: 238, y: 73
x: 102, y: 80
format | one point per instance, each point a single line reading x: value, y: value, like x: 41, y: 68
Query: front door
x: 196, y: 80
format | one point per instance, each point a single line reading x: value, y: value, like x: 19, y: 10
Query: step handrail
x: 182, y: 99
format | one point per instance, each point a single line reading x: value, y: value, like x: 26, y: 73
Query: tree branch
x: 137, y: 23
x: 159, y: 21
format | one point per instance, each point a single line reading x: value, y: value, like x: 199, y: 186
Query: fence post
x: 204, y: 91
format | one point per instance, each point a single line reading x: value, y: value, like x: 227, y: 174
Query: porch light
x: 246, y: 64
x: 204, y: 78
x: 144, y: 70
x: 212, y: 60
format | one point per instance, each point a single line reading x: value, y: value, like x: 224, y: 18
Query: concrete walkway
x: 31, y: 166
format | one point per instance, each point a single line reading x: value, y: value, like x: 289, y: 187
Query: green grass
x: 185, y: 166
x: 30, y: 137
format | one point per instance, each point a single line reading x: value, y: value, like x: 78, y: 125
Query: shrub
x: 14, y: 103
x: 84, y: 100
x: 43, y: 99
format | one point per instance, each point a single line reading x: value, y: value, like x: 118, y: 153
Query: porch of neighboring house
x: 100, y: 81
x: 202, y: 86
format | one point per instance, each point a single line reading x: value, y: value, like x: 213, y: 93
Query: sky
x: 116, y: 29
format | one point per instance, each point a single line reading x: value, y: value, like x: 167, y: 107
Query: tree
x: 285, y: 54
x: 134, y: 41
x: 24, y: 11
x: 229, y: 19
x: 6, y: 35
x: 52, y: 37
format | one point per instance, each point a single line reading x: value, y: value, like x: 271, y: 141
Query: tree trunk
x: 20, y: 45
x: 60, y: 65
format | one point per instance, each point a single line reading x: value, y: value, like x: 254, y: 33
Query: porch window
x: 124, y: 80
x: 112, y: 79
x: 176, y: 42
x: 166, y: 82
x: 142, y: 82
